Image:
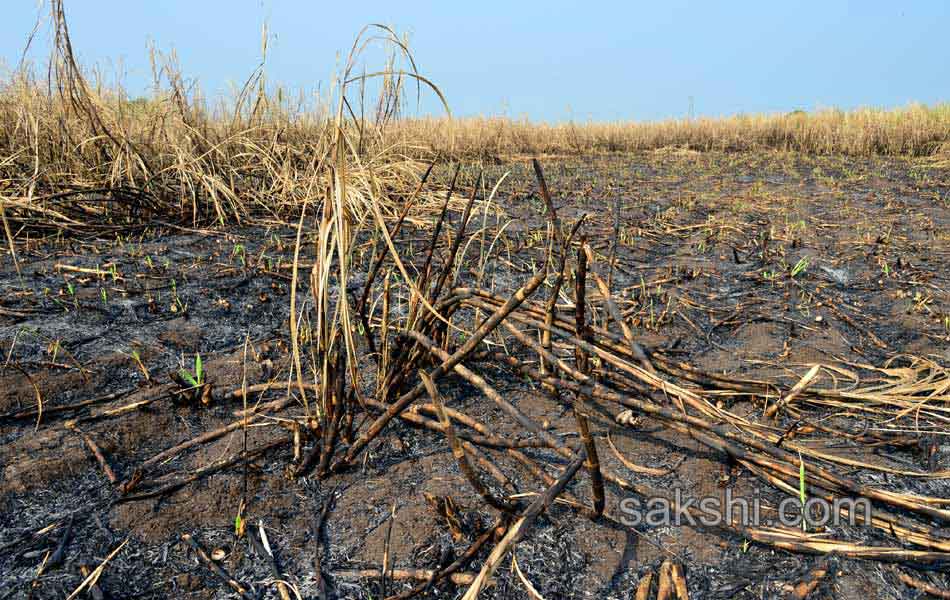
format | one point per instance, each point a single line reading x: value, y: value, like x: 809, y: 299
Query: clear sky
x: 548, y: 60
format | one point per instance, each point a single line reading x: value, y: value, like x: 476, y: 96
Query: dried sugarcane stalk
x: 97, y: 453
x: 459, y: 453
x: 417, y: 574
x: 793, y: 393
x: 643, y: 588
x: 664, y: 586
x: 216, y: 569
x: 518, y: 530
x: 596, y: 390
x: 679, y: 582
x: 406, y: 399
x: 580, y: 357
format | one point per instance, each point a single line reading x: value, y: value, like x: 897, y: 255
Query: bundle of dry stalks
x: 80, y: 154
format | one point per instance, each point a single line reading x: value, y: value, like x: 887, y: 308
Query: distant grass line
x: 173, y: 157
x: 915, y: 130
x: 76, y: 153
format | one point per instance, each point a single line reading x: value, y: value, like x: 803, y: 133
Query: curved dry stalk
x: 459, y: 454
x: 520, y: 527
x: 467, y: 348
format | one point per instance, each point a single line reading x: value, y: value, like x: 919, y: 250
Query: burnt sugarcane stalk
x: 592, y: 463
x: 467, y: 348
x: 498, y: 503
x: 381, y: 256
x: 520, y: 528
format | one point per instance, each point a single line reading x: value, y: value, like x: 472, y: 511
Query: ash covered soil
x: 91, y: 330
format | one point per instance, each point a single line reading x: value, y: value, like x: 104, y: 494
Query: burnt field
x: 769, y: 325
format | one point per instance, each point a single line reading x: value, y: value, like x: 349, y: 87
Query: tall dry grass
x: 75, y: 151
x: 915, y: 130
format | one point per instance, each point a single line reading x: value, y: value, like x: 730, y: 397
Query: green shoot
x: 240, y: 253
x: 196, y: 380
x: 800, y: 266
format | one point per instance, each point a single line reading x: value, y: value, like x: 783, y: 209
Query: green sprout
x: 240, y: 253
x: 800, y: 266
x: 196, y: 380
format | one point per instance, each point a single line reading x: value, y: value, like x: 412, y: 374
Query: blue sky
x: 547, y: 60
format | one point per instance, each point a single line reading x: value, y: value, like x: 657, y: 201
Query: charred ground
x: 749, y: 265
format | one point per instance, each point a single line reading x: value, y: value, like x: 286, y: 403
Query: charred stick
x: 488, y: 390
x: 518, y: 530
x: 459, y: 453
x: 423, y: 281
x: 198, y: 474
x: 467, y: 348
x: 49, y: 410
x: 381, y: 254
x: 271, y: 560
x: 548, y: 203
x: 460, y: 562
x: 635, y: 348
x: 216, y: 569
x: 583, y: 427
x: 457, y: 242
x: 552, y: 299
x: 170, y: 453
x: 424, y: 575
x: 318, y: 555
x: 59, y: 554
x: 97, y: 452
x: 803, y: 589
x: 923, y: 586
